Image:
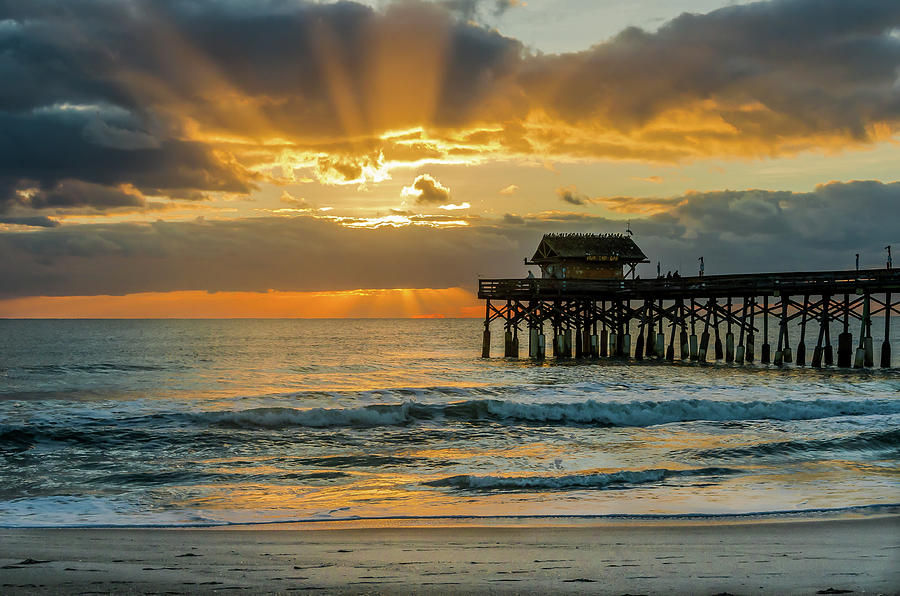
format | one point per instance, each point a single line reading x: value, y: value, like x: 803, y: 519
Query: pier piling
x: 592, y: 318
x: 886, y: 344
x: 766, y: 348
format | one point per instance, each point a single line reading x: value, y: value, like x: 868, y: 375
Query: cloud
x: 68, y: 194
x: 509, y: 190
x: 219, y: 94
x: 453, y: 207
x: 298, y: 203
x: 37, y: 221
x: 427, y: 190
x: 570, y: 194
x: 736, y: 230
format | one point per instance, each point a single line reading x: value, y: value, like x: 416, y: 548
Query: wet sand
x: 698, y: 557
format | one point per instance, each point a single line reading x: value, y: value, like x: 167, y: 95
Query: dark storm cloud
x: 759, y: 230
x: 736, y: 231
x: 69, y: 163
x: 810, y: 65
x: 36, y: 221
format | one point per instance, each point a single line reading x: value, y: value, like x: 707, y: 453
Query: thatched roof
x: 576, y: 246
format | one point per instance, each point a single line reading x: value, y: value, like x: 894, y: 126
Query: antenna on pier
x: 628, y: 228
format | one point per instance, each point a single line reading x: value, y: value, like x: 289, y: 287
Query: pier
x: 800, y: 318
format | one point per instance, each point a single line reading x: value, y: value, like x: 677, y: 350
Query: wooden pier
x: 716, y: 317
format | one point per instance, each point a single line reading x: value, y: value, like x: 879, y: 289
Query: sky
x: 279, y: 158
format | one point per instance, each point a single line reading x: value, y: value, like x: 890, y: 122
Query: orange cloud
x: 364, y: 303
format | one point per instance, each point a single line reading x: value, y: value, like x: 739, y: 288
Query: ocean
x: 212, y: 422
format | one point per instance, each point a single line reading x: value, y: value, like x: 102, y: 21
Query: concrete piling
x: 749, y: 351
x: 766, y: 348
x: 787, y: 353
x: 860, y: 360
x: 845, y: 338
x: 486, y: 343
x: 801, y: 346
x: 740, y: 353
x: 886, y: 344
x: 749, y: 355
x: 827, y: 351
x: 729, y: 352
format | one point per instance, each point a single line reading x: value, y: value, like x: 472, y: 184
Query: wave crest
x: 588, y: 412
x: 621, y: 479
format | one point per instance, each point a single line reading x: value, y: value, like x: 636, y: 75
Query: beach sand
x: 799, y: 556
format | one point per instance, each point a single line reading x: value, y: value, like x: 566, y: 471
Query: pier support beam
x: 729, y: 335
x: 870, y: 352
x: 828, y: 350
x: 886, y: 344
x: 845, y: 338
x: 739, y: 353
x: 704, y: 337
x: 766, y: 348
x: 692, y: 341
x: 862, y: 350
x: 801, y: 345
x: 486, y: 336
x: 749, y: 355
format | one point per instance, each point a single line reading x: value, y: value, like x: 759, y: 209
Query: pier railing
x: 754, y: 284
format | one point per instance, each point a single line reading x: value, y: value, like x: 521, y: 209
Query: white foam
x: 81, y: 511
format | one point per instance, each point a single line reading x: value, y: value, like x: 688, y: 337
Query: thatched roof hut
x: 587, y: 256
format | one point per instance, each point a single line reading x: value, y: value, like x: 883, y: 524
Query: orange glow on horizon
x: 362, y: 303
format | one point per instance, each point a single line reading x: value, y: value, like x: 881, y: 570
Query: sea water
x: 205, y: 422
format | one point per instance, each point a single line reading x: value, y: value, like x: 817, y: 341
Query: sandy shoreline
x: 634, y: 557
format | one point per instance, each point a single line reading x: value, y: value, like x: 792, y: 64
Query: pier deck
x: 595, y: 318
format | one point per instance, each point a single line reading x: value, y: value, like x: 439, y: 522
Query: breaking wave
x: 622, y: 479
x: 589, y: 412
x: 865, y: 441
